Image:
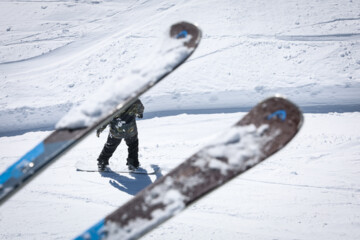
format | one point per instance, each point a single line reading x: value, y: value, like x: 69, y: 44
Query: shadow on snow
x: 131, y: 185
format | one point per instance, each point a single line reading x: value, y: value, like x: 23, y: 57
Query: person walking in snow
x: 122, y: 126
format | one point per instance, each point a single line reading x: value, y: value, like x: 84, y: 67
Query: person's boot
x: 102, y: 165
x: 132, y: 164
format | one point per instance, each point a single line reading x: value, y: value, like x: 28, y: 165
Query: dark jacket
x: 123, y: 125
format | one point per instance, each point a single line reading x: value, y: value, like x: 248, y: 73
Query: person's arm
x: 140, y: 109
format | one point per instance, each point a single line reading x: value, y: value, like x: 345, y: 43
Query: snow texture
x: 55, y: 54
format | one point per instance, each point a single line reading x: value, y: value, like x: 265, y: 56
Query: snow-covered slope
x: 54, y: 54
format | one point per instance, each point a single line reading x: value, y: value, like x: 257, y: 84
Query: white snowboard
x: 91, y: 166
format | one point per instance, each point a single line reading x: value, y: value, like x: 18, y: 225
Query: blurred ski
x: 180, y: 42
x: 266, y: 129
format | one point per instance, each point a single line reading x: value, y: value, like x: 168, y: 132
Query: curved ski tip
x: 183, y: 30
x: 290, y: 105
x: 276, y: 107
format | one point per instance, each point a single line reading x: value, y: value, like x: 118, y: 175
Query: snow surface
x: 54, y: 54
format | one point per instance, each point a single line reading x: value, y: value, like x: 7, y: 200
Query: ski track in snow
x: 54, y: 54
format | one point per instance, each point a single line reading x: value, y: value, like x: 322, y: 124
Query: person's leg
x: 133, y: 150
x: 108, y: 150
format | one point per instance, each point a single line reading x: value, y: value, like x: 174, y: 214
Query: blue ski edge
x: 15, y: 170
x: 94, y: 233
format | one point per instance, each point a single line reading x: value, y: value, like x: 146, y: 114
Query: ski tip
x: 282, y: 118
x: 183, y: 30
x: 288, y: 108
x: 278, y: 108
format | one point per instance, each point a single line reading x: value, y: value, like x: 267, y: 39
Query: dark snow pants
x: 111, y: 145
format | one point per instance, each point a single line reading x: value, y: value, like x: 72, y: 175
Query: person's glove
x: 140, y: 115
x: 98, y: 131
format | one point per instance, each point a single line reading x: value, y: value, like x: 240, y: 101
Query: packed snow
x: 55, y: 54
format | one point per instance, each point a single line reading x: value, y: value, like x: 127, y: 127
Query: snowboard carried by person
x: 122, y: 126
